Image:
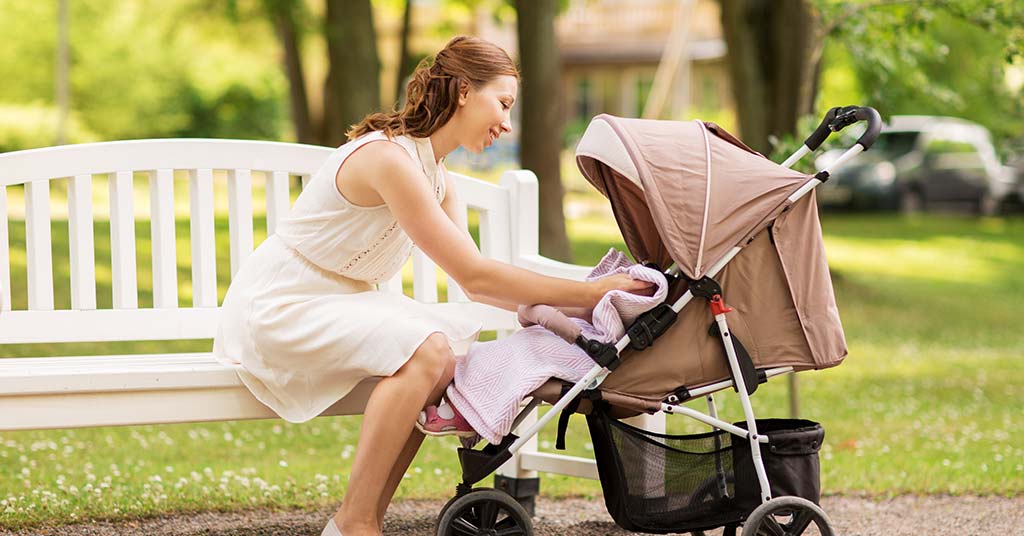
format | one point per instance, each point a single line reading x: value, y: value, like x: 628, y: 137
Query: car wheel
x: 1011, y: 204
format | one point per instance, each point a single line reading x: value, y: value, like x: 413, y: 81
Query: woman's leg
x: 412, y: 445
x: 387, y: 425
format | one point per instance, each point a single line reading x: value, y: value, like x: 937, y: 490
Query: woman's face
x: 484, y: 113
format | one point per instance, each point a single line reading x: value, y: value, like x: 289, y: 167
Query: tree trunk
x: 774, y: 50
x: 540, y: 136
x: 352, y: 88
x: 283, y: 17
x: 404, y: 59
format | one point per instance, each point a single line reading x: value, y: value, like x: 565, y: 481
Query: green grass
x: 928, y: 401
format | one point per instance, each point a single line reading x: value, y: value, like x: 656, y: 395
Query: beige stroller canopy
x: 688, y: 193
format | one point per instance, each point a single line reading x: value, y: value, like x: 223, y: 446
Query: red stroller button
x: 718, y: 307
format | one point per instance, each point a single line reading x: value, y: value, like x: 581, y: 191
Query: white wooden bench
x: 69, y: 391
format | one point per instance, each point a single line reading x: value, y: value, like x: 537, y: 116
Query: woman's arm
x: 402, y: 187
x: 457, y: 213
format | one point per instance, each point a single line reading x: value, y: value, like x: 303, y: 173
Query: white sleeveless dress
x: 303, y: 316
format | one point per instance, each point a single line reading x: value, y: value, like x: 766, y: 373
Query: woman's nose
x: 506, y: 126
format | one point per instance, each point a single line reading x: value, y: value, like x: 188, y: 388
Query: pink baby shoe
x: 432, y: 423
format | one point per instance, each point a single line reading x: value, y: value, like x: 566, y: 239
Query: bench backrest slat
x: 122, y: 241
x: 277, y: 199
x: 455, y: 293
x: 82, y: 242
x: 392, y: 285
x: 424, y: 277
x: 38, y: 257
x: 203, y: 231
x: 239, y: 216
x: 162, y: 235
x: 246, y: 165
x: 5, y: 255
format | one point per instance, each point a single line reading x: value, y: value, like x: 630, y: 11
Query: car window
x: 895, y: 144
x: 939, y: 146
x: 950, y: 154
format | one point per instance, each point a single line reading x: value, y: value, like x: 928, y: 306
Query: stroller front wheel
x: 484, y: 512
x: 790, y: 516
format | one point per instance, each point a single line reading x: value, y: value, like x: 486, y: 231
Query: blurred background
x: 924, y: 234
x: 304, y: 70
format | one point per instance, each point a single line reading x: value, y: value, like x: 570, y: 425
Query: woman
x: 303, y: 317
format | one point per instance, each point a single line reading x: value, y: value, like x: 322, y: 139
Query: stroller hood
x: 682, y: 191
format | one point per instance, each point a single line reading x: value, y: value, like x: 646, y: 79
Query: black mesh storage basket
x: 657, y: 483
x: 790, y: 460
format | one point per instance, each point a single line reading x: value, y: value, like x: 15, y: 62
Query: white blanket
x: 494, y: 377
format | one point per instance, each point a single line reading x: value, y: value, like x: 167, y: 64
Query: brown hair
x: 432, y: 94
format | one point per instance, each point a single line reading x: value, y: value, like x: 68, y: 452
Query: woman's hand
x: 624, y: 283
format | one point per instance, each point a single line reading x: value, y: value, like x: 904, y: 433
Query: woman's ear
x: 463, y: 93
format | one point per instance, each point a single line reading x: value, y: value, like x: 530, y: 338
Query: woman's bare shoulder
x: 359, y: 175
x: 377, y: 154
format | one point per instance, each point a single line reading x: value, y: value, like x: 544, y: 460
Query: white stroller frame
x: 835, y: 120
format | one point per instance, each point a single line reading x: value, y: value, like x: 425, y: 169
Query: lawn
x: 925, y: 403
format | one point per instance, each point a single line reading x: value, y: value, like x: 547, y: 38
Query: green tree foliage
x: 142, y: 69
x: 940, y: 57
x: 35, y: 125
x: 946, y: 57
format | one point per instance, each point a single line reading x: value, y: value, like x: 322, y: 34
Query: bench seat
x: 69, y: 392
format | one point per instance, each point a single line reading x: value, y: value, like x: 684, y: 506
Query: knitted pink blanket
x: 494, y: 377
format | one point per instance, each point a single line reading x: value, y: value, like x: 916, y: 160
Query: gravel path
x: 932, y: 515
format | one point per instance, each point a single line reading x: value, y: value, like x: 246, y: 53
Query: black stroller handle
x: 837, y: 119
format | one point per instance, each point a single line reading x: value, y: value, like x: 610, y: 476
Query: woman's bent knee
x: 433, y: 356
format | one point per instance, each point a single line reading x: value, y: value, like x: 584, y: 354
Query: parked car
x: 921, y: 162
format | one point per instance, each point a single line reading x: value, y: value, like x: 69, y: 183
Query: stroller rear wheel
x: 484, y: 512
x: 787, y: 516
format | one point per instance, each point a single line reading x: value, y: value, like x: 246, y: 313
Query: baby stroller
x: 739, y: 236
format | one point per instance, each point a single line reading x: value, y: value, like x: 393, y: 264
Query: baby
x: 494, y: 377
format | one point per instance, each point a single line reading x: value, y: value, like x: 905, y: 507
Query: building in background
x: 611, y: 53
x: 610, y: 50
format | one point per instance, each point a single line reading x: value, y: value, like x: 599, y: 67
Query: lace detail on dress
x: 383, y: 237
x: 373, y: 245
x: 363, y: 243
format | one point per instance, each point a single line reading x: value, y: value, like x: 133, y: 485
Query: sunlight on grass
x: 943, y: 259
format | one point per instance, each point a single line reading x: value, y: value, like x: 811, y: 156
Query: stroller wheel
x: 787, y: 516
x: 484, y: 512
